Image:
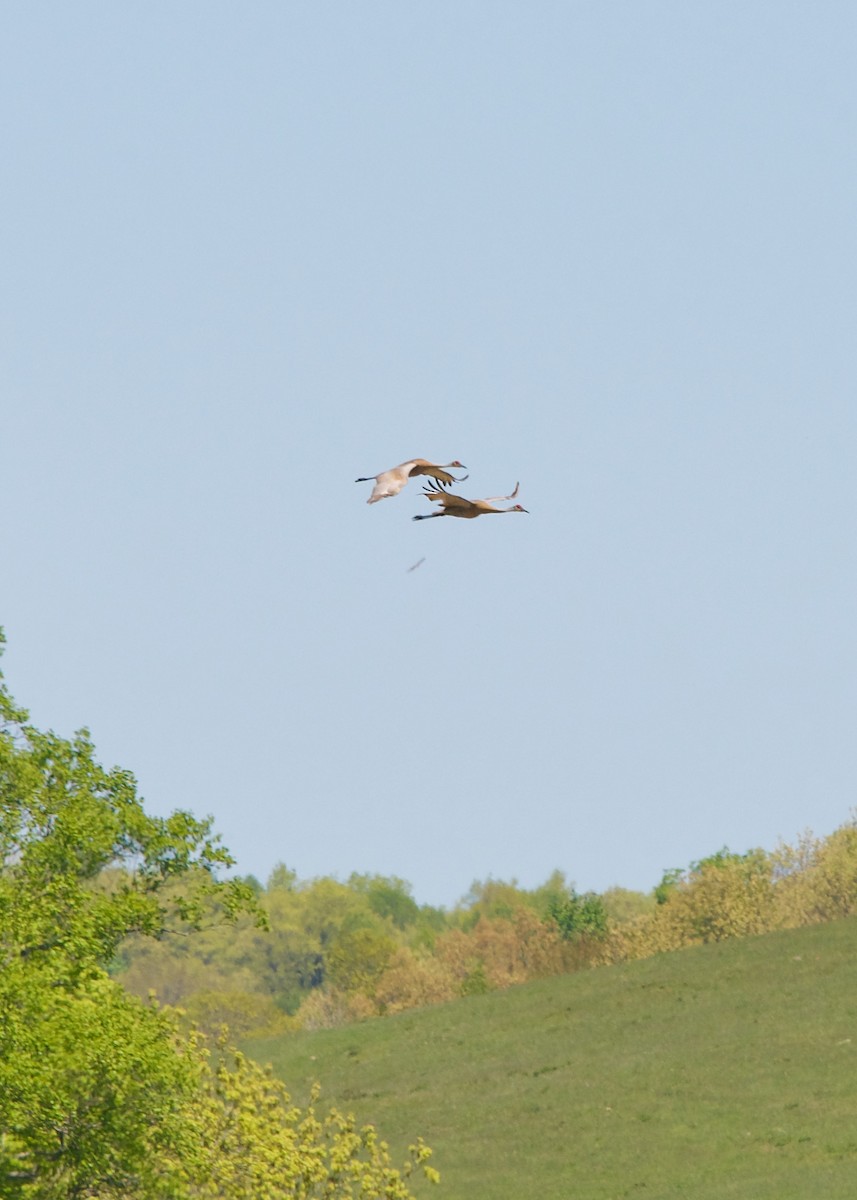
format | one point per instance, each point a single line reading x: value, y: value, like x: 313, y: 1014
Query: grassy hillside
x: 727, y: 1070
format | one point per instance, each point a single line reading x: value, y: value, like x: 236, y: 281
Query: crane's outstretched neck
x: 427, y: 516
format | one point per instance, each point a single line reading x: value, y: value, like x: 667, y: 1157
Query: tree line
x: 333, y: 952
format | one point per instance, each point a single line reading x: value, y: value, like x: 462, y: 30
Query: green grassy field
x: 727, y: 1070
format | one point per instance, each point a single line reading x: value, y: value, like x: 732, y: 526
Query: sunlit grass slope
x: 727, y: 1070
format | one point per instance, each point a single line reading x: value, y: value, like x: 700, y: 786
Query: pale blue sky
x: 252, y: 251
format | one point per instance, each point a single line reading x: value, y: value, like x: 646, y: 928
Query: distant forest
x: 319, y: 953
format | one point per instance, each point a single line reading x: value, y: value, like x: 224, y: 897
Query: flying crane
x: 457, y: 506
x: 390, y: 483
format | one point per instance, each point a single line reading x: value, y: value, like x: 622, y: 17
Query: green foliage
x: 357, y: 959
x: 91, y: 1082
x: 669, y: 882
x: 92, y: 1087
x: 243, y: 1014
x: 554, y: 891
x: 282, y: 877
x: 623, y: 904
x: 102, y: 1096
x: 64, y: 820
x: 493, y: 898
x: 255, y: 1144
x: 388, y: 897
x: 475, y: 982
x: 816, y: 880
x: 580, y: 916
x: 728, y: 895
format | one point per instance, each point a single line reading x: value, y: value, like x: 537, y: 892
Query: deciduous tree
x: 101, y: 1095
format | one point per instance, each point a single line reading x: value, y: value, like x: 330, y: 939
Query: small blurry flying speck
x: 414, y: 567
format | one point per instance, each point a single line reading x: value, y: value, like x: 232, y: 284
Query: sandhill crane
x: 390, y: 483
x: 457, y: 506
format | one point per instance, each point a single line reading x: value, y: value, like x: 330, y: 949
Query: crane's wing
x: 444, y: 479
x: 438, y: 474
x: 446, y: 499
